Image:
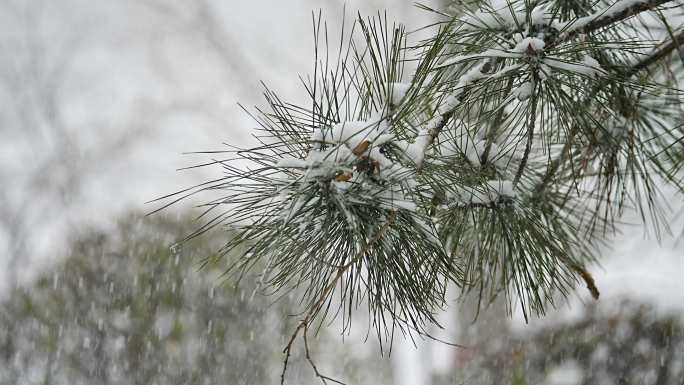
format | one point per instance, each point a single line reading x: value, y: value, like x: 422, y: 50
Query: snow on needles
x: 493, y: 192
x: 526, y: 46
x: 523, y: 91
x: 589, y: 66
x: 541, y: 15
x: 339, y: 147
x: 497, y: 14
x: 347, y: 157
x: 530, y: 45
x: 398, y: 92
x: 610, y: 11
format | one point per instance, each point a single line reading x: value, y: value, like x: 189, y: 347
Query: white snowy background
x: 99, y: 99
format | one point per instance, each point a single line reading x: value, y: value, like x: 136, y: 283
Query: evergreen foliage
x: 125, y: 309
x: 498, y: 155
x: 626, y: 344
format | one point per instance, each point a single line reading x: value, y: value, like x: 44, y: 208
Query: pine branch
x: 497, y: 96
x: 325, y: 296
x: 663, y: 50
x: 588, y: 24
x: 443, y: 118
x: 530, y: 135
x: 605, y: 17
x: 658, y: 54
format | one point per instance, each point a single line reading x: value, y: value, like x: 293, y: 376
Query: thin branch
x: 446, y: 116
x: 307, y: 351
x: 597, y: 23
x: 313, y: 310
x: 664, y: 50
x: 588, y: 279
x: 530, y: 136
x: 492, y: 204
x: 570, y: 139
x: 604, y: 19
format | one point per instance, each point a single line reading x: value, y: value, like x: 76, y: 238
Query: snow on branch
x: 514, y: 145
x: 620, y: 10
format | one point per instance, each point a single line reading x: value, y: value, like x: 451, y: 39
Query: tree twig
x: 665, y: 49
x: 530, y: 136
x: 570, y: 139
x: 307, y: 351
x: 588, y: 279
x: 316, y: 307
x: 608, y: 18
x: 597, y: 23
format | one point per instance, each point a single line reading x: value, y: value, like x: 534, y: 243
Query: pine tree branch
x: 664, y: 49
x: 530, y: 135
x: 547, y: 253
x: 314, y: 310
x: 597, y: 22
x: 444, y: 118
x: 492, y: 205
x: 652, y: 59
x: 603, y: 19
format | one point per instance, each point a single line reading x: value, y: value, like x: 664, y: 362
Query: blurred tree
x: 627, y: 344
x: 125, y: 308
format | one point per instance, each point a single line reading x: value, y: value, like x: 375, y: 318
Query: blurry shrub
x: 127, y: 308
x: 628, y: 345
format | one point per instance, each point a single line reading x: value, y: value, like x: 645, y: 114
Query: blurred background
x: 98, y: 102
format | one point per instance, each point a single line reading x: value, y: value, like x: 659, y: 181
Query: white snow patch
x: 497, y: 14
x: 593, y: 66
x: 502, y: 188
x: 398, y: 92
x: 588, y: 67
x: 490, y: 53
x: 611, y: 10
x: 416, y: 151
x: 450, y: 102
x: 530, y: 45
x: 474, y: 153
x: 490, y: 193
x: 292, y: 163
x: 540, y: 15
x: 524, y: 91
